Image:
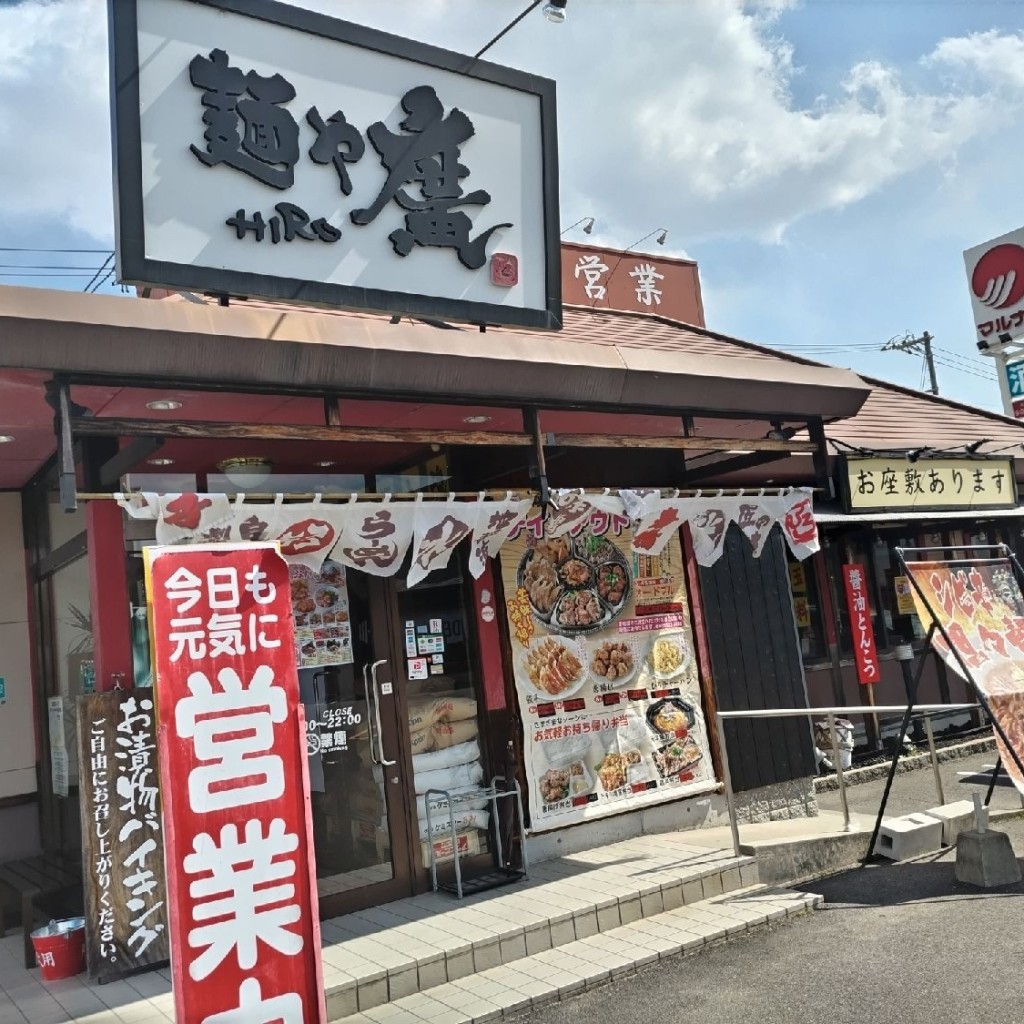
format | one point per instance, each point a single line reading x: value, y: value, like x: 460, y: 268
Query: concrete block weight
x: 909, y: 836
x: 956, y: 817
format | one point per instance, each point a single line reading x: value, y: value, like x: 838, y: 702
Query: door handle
x: 369, y: 725
x: 376, y: 712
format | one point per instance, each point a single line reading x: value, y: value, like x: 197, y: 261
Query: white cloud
x: 689, y: 120
x: 723, y: 131
x: 54, y: 115
x: 993, y: 57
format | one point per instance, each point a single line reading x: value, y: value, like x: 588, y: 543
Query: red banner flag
x: 863, y: 633
x: 245, y: 936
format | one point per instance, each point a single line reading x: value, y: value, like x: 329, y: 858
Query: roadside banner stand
x: 973, y: 606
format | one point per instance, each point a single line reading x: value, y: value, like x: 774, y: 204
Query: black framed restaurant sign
x: 261, y: 150
x: 122, y: 834
x: 897, y: 484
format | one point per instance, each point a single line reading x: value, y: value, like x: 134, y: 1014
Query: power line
x: 98, y: 273
x: 17, y: 248
x: 48, y: 266
x: 961, y: 356
x: 827, y: 344
x: 102, y: 281
x: 964, y: 369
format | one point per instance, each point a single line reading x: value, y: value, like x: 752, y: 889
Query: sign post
x: 245, y: 936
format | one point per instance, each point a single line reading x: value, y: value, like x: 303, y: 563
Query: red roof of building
x: 893, y: 416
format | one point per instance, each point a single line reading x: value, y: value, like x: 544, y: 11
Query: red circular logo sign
x: 306, y: 536
x: 998, y: 278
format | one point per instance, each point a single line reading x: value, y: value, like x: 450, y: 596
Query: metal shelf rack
x: 503, y: 874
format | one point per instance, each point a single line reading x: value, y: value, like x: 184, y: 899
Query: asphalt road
x: 916, y: 790
x: 900, y: 943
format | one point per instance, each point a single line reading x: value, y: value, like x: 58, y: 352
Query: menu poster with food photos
x: 978, y: 604
x: 323, y: 629
x: 606, y: 673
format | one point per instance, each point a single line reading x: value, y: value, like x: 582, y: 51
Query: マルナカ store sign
x: 896, y: 484
x: 865, y: 654
x: 264, y: 150
x: 245, y: 942
x: 122, y: 833
x: 995, y: 275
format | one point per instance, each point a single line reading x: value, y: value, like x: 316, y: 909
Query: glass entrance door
x: 399, y: 720
x: 357, y: 777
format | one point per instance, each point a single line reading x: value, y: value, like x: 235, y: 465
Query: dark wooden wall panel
x: 756, y: 661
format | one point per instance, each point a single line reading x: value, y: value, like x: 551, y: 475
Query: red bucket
x: 60, y: 949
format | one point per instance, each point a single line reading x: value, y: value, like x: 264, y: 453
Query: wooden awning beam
x: 111, y: 427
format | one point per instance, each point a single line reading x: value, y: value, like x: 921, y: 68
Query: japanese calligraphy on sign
x: 241, y: 895
x: 604, y: 278
x: 862, y: 632
x: 323, y: 162
x: 894, y: 484
x: 979, y: 606
x: 606, y: 673
x: 122, y: 834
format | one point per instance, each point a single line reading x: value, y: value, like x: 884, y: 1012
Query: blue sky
x: 825, y: 161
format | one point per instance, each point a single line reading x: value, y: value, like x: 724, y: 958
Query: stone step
x: 561, y: 972
x: 382, y: 955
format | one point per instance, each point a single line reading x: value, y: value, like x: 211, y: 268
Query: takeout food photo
x: 615, y: 769
x: 554, y: 667
x: 613, y: 661
x: 671, y: 718
x: 669, y: 656
x: 575, y: 586
x: 678, y: 756
x: 561, y: 783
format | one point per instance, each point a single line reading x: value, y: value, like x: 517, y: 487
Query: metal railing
x: 924, y: 710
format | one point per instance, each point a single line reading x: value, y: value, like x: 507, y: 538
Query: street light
x: 662, y: 234
x: 554, y: 11
x: 587, y: 227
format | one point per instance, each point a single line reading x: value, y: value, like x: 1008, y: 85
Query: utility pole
x: 914, y: 346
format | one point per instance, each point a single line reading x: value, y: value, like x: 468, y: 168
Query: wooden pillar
x: 829, y: 615
x: 701, y: 646
x: 108, y: 589
x: 488, y: 614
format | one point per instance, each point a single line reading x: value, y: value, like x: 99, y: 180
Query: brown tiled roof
x: 68, y: 332
x: 893, y: 416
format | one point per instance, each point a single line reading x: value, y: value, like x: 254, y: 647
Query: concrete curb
x: 855, y: 776
x: 803, y: 862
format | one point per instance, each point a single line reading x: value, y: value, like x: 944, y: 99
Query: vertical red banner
x: 245, y: 936
x: 861, y: 630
